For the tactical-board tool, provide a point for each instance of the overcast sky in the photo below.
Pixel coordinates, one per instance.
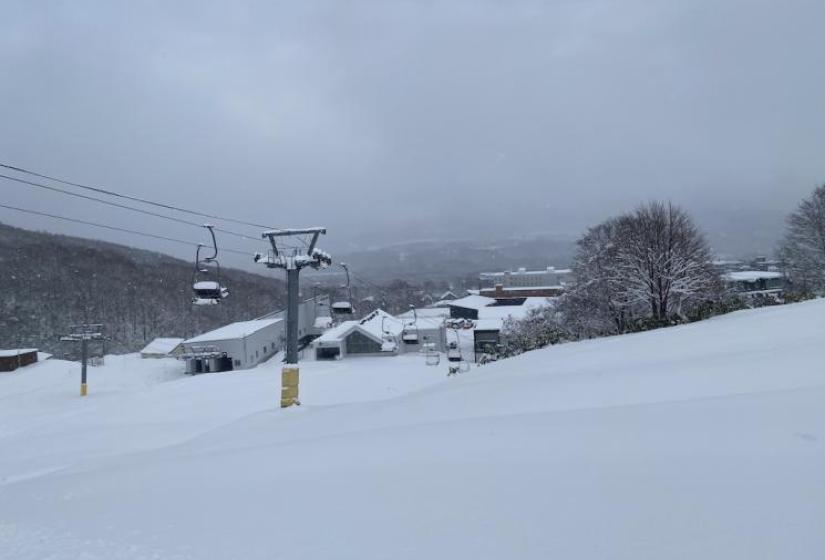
(402, 120)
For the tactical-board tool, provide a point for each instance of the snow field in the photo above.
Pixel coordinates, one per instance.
(702, 441)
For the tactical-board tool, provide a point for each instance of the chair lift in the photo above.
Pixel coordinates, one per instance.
(344, 307)
(206, 284)
(431, 355)
(409, 333)
(457, 364)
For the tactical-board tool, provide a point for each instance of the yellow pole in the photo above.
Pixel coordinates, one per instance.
(289, 386)
(82, 389)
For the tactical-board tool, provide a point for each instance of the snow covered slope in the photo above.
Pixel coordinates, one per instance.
(702, 441)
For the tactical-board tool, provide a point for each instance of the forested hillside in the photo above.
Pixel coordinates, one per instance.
(49, 282)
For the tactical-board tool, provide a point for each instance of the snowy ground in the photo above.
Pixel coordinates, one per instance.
(703, 441)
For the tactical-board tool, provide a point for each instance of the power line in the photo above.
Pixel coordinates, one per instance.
(114, 228)
(133, 198)
(125, 207)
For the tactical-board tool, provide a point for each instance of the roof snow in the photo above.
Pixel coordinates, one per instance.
(525, 272)
(373, 325)
(161, 346)
(472, 302)
(15, 352)
(503, 312)
(426, 312)
(241, 329)
(752, 276)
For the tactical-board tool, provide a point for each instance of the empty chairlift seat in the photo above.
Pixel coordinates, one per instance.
(208, 292)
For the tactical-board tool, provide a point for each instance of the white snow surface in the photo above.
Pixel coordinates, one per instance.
(701, 441)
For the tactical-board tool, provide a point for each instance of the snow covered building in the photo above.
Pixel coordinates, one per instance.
(245, 344)
(756, 282)
(240, 345)
(313, 317)
(381, 334)
(162, 348)
(10, 360)
(468, 306)
(549, 282)
(377, 334)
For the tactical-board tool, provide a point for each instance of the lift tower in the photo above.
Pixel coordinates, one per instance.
(83, 334)
(293, 259)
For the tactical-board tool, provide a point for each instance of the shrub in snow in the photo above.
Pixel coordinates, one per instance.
(539, 329)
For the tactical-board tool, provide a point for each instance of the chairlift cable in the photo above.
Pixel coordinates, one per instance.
(123, 206)
(113, 228)
(133, 198)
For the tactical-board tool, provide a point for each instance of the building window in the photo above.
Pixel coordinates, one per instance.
(357, 343)
(237, 363)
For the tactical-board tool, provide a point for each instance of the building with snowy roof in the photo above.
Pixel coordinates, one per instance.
(377, 334)
(523, 278)
(755, 282)
(162, 348)
(10, 360)
(468, 306)
(245, 344)
(547, 282)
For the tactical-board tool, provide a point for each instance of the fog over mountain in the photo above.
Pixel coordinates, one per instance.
(400, 121)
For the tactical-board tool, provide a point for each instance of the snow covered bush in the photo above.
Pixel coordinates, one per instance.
(539, 329)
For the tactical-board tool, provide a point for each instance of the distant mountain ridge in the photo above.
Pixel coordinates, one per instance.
(49, 282)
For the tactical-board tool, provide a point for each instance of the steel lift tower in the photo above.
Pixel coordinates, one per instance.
(293, 259)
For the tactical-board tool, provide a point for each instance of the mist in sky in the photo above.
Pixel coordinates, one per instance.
(391, 121)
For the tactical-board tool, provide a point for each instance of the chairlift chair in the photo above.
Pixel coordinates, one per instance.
(342, 308)
(206, 285)
(453, 352)
(409, 333)
(431, 355)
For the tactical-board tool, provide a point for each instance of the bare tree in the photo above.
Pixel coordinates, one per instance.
(650, 264)
(803, 247)
(597, 304)
(664, 261)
